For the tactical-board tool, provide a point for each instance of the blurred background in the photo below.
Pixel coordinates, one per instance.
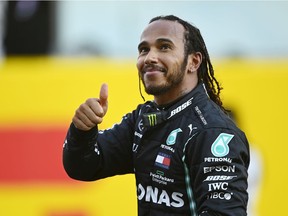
(55, 54)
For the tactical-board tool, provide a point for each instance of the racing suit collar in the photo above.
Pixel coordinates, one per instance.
(199, 88)
(155, 115)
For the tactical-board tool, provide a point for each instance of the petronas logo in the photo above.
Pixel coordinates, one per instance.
(171, 139)
(152, 119)
(220, 146)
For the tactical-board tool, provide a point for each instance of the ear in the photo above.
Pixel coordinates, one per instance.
(194, 61)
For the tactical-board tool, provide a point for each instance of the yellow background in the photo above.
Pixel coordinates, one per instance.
(44, 92)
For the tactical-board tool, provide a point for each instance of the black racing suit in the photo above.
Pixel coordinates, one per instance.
(188, 158)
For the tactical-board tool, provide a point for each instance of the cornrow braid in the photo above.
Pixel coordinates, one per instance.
(194, 42)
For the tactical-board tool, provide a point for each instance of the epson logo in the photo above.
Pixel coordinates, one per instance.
(161, 197)
(181, 107)
(223, 168)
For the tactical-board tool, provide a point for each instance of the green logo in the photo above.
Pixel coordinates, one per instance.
(152, 119)
(159, 172)
(220, 146)
(171, 139)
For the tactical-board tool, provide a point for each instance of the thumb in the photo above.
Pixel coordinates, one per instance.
(104, 97)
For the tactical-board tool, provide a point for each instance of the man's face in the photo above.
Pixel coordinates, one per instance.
(161, 62)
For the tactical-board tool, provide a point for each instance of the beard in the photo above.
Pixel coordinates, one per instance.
(173, 79)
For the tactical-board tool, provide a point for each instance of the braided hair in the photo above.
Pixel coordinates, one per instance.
(195, 43)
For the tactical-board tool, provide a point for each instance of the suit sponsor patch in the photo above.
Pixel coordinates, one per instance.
(163, 160)
(220, 146)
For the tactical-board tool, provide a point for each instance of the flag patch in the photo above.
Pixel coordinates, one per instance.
(163, 160)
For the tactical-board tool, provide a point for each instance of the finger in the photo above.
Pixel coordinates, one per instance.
(79, 124)
(87, 120)
(84, 124)
(90, 112)
(104, 97)
(94, 108)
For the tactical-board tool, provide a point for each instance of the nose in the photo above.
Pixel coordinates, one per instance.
(151, 57)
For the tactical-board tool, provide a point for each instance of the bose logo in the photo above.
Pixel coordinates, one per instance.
(181, 107)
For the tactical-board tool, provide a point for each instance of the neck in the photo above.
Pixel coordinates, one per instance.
(164, 99)
(174, 94)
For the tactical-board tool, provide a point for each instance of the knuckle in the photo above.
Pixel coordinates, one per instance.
(82, 107)
(90, 101)
(99, 120)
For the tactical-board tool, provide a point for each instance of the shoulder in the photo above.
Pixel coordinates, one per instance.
(213, 119)
(212, 116)
(219, 142)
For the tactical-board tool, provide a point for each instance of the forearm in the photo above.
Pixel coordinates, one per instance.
(79, 157)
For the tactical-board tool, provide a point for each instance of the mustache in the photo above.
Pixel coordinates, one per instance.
(151, 67)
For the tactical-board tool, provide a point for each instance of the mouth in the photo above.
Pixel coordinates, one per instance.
(153, 69)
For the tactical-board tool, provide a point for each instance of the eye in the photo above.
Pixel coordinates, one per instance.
(165, 47)
(143, 49)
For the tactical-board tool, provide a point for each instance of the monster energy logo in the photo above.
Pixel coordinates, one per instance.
(152, 119)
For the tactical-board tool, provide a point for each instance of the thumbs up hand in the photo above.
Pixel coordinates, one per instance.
(91, 113)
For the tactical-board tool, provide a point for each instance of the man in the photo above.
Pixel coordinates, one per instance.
(188, 157)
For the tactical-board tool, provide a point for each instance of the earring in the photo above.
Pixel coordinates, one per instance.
(191, 69)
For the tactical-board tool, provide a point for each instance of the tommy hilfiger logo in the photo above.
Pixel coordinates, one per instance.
(163, 160)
